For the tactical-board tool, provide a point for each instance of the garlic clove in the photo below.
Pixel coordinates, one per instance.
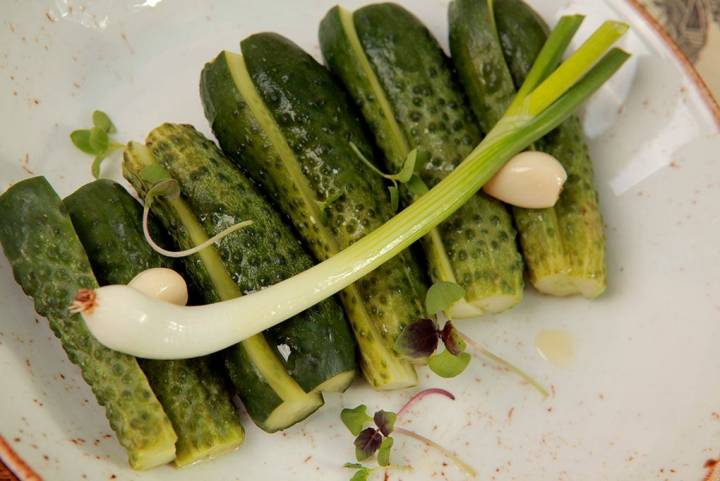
(531, 179)
(162, 283)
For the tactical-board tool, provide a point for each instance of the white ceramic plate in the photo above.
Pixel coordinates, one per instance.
(640, 399)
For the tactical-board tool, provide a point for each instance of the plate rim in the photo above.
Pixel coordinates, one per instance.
(24, 472)
(698, 82)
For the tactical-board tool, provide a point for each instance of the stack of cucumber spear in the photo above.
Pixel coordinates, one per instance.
(283, 120)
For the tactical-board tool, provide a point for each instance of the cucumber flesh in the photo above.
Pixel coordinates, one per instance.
(256, 141)
(398, 76)
(317, 344)
(563, 246)
(256, 369)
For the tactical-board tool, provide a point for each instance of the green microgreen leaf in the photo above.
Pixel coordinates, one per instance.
(452, 339)
(353, 466)
(355, 419)
(99, 140)
(394, 197)
(404, 176)
(367, 442)
(441, 296)
(361, 475)
(384, 451)
(385, 421)
(408, 167)
(95, 168)
(102, 121)
(416, 186)
(417, 340)
(81, 140)
(421, 159)
(445, 364)
(96, 141)
(154, 173)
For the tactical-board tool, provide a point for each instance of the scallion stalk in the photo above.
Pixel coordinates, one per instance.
(126, 320)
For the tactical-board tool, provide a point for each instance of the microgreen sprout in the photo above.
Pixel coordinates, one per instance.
(362, 473)
(420, 339)
(370, 440)
(96, 140)
(408, 174)
(162, 185)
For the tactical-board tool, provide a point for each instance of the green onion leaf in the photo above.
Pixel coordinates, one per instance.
(441, 296)
(355, 419)
(447, 365)
(102, 121)
(385, 421)
(384, 451)
(81, 140)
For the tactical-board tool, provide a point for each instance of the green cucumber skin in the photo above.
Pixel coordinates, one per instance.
(522, 33)
(431, 109)
(479, 60)
(108, 221)
(318, 126)
(320, 341)
(257, 396)
(50, 265)
(337, 52)
(566, 241)
(490, 87)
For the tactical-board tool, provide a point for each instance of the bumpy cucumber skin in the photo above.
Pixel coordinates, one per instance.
(196, 398)
(319, 339)
(321, 139)
(522, 33)
(108, 221)
(50, 265)
(563, 246)
(432, 112)
(479, 59)
(318, 123)
(485, 75)
(258, 397)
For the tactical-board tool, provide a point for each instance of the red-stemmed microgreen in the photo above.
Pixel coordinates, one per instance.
(420, 339)
(96, 140)
(370, 440)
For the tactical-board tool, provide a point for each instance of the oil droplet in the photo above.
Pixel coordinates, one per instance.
(556, 346)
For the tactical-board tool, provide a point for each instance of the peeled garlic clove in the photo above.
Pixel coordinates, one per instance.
(531, 179)
(162, 283)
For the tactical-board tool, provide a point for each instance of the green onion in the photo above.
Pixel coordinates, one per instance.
(153, 329)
